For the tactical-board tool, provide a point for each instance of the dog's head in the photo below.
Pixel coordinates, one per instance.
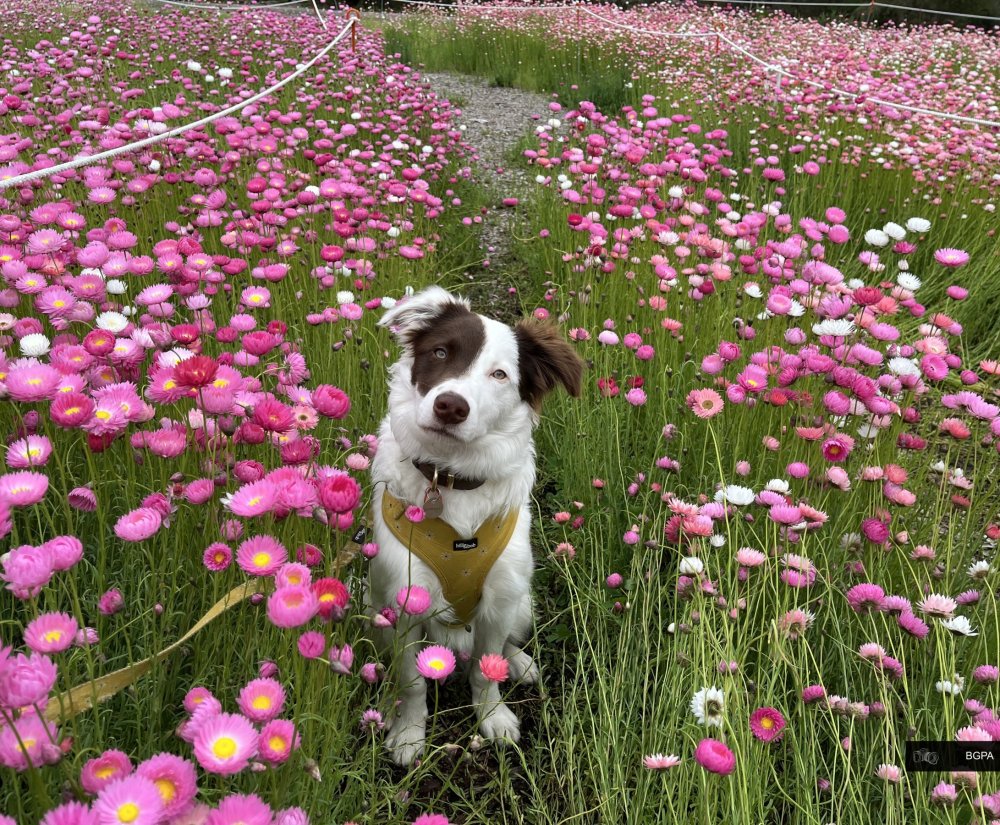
(464, 377)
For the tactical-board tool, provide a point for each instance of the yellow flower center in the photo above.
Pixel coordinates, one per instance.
(18, 490)
(34, 381)
(29, 743)
(169, 384)
(277, 743)
(72, 410)
(436, 664)
(58, 304)
(767, 723)
(53, 636)
(261, 559)
(129, 812)
(294, 578)
(254, 501)
(167, 789)
(221, 383)
(255, 299)
(104, 415)
(33, 451)
(326, 598)
(261, 702)
(224, 747)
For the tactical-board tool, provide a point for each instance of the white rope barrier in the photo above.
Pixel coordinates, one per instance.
(768, 67)
(86, 160)
(319, 16)
(230, 6)
(879, 5)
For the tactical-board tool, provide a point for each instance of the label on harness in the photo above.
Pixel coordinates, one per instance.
(465, 544)
(360, 535)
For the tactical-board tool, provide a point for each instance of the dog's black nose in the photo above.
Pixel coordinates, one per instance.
(451, 408)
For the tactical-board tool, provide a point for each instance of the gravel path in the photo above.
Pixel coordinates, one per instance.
(495, 119)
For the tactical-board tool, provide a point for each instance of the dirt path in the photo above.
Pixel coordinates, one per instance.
(495, 120)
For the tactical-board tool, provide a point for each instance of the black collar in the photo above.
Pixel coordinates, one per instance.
(446, 478)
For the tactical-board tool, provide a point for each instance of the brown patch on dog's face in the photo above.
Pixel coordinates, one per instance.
(446, 347)
(545, 359)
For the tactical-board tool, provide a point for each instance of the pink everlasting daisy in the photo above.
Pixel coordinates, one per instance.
(217, 556)
(704, 403)
(241, 809)
(435, 662)
(292, 606)
(175, 778)
(951, 257)
(138, 525)
(767, 724)
(23, 489)
(133, 800)
(715, 757)
(659, 762)
(98, 773)
(261, 555)
(494, 667)
(225, 743)
(50, 633)
(414, 599)
(262, 700)
(253, 499)
(278, 739)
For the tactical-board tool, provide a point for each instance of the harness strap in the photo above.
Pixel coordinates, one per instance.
(461, 572)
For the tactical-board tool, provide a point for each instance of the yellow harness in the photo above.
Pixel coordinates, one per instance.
(461, 565)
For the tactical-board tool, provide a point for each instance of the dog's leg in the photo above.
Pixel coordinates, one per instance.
(522, 666)
(494, 631)
(496, 720)
(408, 728)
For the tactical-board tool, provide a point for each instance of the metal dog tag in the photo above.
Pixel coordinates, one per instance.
(433, 503)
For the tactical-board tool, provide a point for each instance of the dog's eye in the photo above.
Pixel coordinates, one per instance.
(500, 375)
(440, 352)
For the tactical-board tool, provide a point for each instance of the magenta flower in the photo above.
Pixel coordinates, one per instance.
(23, 489)
(414, 600)
(109, 767)
(715, 757)
(952, 258)
(767, 724)
(435, 662)
(138, 525)
(225, 743)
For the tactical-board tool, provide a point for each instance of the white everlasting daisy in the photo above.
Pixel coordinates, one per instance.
(194, 66)
(902, 265)
(716, 540)
(34, 345)
(675, 192)
(388, 303)
(115, 287)
(838, 327)
(753, 290)
(111, 321)
(894, 231)
(918, 224)
(777, 485)
(345, 297)
(909, 281)
(735, 494)
(959, 625)
(226, 74)
(691, 566)
(979, 570)
(707, 706)
(876, 237)
(903, 366)
(952, 687)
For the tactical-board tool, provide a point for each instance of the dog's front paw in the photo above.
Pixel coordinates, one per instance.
(523, 668)
(501, 723)
(405, 740)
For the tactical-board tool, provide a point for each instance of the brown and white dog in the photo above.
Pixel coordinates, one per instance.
(463, 401)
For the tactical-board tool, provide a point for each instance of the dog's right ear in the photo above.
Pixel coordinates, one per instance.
(415, 313)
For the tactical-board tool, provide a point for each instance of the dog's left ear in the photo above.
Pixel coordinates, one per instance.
(545, 360)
